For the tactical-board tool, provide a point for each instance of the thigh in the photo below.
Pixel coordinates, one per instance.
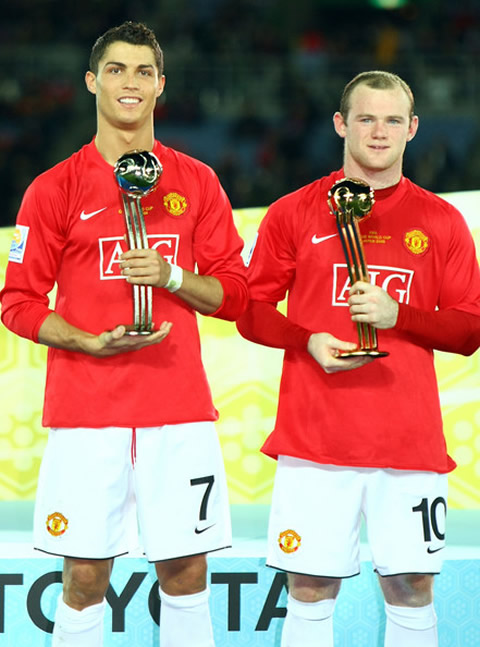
(181, 490)
(405, 513)
(84, 506)
(314, 526)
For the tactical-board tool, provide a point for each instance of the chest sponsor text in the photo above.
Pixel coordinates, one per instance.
(112, 248)
(396, 281)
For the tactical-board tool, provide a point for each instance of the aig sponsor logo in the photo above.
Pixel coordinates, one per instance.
(112, 248)
(394, 280)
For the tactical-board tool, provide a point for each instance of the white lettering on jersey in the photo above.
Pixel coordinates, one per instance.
(394, 280)
(111, 249)
(113, 260)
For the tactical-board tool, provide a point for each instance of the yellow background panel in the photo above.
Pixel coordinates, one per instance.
(244, 378)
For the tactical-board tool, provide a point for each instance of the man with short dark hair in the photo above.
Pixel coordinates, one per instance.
(132, 433)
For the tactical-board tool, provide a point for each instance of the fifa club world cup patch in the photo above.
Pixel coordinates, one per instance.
(416, 242)
(175, 203)
(289, 541)
(19, 244)
(57, 524)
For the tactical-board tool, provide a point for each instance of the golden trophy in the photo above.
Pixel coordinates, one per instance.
(350, 200)
(137, 173)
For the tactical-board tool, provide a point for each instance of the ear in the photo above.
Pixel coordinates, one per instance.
(339, 124)
(91, 82)
(412, 129)
(161, 85)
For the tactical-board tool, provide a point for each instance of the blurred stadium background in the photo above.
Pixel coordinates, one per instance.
(251, 85)
(251, 89)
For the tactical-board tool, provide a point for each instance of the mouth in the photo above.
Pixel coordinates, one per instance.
(129, 101)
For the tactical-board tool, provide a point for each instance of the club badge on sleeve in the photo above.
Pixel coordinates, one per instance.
(19, 244)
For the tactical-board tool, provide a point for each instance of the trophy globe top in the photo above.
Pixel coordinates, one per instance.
(138, 172)
(353, 196)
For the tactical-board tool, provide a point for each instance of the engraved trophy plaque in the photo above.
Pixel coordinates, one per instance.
(350, 200)
(137, 173)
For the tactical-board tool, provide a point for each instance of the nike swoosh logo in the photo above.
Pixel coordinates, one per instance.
(316, 240)
(198, 531)
(86, 216)
(434, 550)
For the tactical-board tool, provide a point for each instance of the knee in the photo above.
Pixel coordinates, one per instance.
(306, 588)
(410, 590)
(85, 582)
(183, 576)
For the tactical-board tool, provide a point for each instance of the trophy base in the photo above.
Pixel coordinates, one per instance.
(131, 331)
(363, 352)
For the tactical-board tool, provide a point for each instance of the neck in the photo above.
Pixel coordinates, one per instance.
(376, 179)
(113, 143)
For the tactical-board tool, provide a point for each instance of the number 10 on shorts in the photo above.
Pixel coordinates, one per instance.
(430, 519)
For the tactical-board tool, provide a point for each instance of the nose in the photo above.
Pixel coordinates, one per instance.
(379, 129)
(131, 79)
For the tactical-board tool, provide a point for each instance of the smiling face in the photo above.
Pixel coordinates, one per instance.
(126, 86)
(376, 130)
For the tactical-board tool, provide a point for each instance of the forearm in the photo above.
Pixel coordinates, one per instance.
(202, 293)
(55, 332)
(225, 296)
(263, 324)
(453, 331)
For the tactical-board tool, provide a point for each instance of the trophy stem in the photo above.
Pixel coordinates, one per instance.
(350, 200)
(137, 239)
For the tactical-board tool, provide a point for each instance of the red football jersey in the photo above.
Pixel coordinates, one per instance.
(71, 230)
(387, 413)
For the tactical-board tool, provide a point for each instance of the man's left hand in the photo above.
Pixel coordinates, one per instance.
(145, 267)
(371, 304)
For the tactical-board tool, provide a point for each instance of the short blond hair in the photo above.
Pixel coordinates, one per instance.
(379, 80)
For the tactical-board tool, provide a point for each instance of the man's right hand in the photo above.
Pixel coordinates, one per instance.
(326, 349)
(58, 333)
(113, 342)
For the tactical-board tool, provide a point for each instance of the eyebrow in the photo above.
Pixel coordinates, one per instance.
(141, 66)
(367, 114)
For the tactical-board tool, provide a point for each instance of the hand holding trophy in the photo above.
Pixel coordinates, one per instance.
(137, 173)
(350, 200)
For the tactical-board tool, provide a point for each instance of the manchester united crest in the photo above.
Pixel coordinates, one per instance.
(175, 203)
(416, 242)
(57, 524)
(289, 541)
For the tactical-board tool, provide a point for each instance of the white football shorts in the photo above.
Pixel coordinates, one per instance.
(98, 486)
(316, 515)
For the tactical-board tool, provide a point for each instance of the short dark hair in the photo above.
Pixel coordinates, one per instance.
(135, 33)
(379, 80)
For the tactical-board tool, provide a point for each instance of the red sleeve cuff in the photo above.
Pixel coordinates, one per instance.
(26, 319)
(453, 331)
(235, 298)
